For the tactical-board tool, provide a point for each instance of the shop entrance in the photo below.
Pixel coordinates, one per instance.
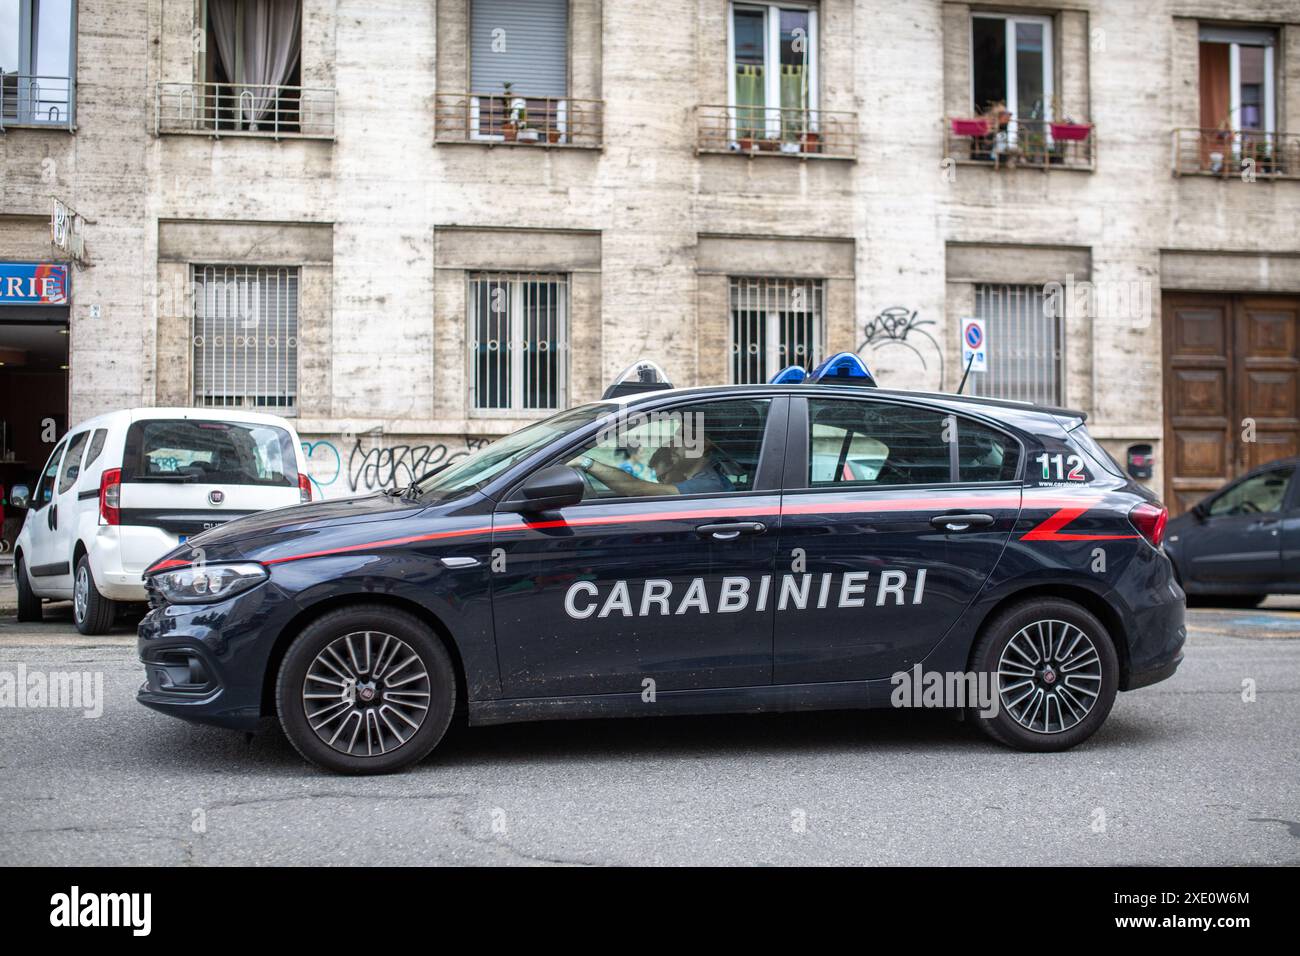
(33, 381)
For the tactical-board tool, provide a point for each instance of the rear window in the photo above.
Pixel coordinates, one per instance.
(1082, 440)
(209, 452)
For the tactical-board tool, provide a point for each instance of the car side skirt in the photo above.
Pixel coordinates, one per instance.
(767, 698)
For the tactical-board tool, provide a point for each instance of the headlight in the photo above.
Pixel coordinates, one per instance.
(204, 584)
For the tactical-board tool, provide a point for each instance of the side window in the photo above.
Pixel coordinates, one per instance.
(1259, 495)
(45, 490)
(870, 444)
(709, 448)
(72, 462)
(96, 446)
(985, 454)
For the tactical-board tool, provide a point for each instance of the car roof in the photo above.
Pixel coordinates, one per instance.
(127, 416)
(975, 403)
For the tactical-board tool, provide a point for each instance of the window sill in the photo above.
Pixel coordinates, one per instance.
(246, 134)
(1234, 175)
(56, 127)
(1031, 167)
(493, 143)
(773, 154)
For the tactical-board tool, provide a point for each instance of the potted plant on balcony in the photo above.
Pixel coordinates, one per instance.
(510, 127)
(526, 133)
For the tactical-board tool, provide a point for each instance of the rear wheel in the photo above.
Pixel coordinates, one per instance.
(91, 611)
(29, 604)
(366, 689)
(1054, 673)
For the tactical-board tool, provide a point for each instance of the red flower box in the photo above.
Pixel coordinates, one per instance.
(970, 127)
(1070, 132)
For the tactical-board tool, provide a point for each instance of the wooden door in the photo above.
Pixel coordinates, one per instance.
(1232, 388)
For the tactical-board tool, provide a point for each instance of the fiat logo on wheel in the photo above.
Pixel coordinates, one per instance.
(216, 496)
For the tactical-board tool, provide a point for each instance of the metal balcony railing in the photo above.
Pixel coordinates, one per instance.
(1236, 152)
(244, 109)
(27, 99)
(777, 131)
(1039, 144)
(513, 120)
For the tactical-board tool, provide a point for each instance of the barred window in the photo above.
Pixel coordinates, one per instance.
(517, 340)
(246, 338)
(1026, 344)
(774, 323)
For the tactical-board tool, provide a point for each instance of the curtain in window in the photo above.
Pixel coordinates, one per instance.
(749, 102)
(794, 100)
(271, 45)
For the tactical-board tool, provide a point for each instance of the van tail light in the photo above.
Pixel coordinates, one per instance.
(1150, 519)
(304, 488)
(110, 496)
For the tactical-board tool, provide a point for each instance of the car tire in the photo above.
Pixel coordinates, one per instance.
(1068, 712)
(356, 734)
(29, 603)
(91, 611)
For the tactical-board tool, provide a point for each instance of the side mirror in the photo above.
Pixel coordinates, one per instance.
(555, 486)
(1200, 512)
(20, 496)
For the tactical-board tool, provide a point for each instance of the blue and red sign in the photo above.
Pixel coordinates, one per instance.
(33, 283)
(974, 335)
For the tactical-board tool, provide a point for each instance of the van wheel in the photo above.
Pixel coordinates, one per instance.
(366, 689)
(29, 604)
(1054, 673)
(91, 611)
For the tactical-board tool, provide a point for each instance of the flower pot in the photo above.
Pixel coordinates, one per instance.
(509, 131)
(979, 126)
(769, 145)
(1070, 132)
(746, 145)
(812, 142)
(552, 135)
(529, 135)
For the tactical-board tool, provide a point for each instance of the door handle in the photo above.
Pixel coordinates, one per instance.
(730, 530)
(961, 522)
(52, 519)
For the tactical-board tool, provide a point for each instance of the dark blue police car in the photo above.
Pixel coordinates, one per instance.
(729, 549)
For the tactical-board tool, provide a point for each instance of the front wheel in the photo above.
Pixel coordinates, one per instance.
(366, 689)
(91, 611)
(1053, 671)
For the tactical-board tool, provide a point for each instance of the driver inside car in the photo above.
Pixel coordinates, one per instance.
(678, 470)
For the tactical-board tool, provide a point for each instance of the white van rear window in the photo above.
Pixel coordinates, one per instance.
(209, 452)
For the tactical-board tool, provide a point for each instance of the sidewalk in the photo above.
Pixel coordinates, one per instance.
(8, 590)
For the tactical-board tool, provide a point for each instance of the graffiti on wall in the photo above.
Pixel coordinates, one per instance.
(367, 463)
(898, 348)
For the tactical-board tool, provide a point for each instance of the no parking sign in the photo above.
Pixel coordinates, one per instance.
(974, 345)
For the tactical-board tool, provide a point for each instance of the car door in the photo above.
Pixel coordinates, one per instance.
(1238, 535)
(663, 582)
(65, 509)
(883, 545)
(44, 564)
(1290, 536)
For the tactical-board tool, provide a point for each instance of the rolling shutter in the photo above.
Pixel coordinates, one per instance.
(531, 42)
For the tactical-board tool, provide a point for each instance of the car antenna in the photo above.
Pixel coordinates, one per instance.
(969, 362)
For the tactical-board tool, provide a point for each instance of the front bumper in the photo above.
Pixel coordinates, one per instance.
(207, 663)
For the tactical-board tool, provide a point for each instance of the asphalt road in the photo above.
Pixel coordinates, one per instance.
(1185, 772)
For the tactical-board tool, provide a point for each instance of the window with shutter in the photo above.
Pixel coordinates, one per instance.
(519, 69)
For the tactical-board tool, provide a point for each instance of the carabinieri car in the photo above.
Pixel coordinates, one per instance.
(684, 551)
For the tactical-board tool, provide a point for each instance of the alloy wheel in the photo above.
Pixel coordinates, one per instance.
(366, 693)
(1049, 676)
(81, 593)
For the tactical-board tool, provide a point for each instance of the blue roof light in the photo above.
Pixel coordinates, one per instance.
(843, 368)
(790, 375)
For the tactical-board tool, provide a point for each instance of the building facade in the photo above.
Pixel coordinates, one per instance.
(414, 226)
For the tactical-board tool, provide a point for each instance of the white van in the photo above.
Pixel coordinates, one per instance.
(123, 489)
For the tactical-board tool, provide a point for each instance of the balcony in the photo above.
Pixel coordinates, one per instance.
(1236, 153)
(1034, 144)
(36, 101)
(503, 119)
(757, 131)
(244, 109)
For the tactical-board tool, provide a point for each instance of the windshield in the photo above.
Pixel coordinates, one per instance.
(474, 471)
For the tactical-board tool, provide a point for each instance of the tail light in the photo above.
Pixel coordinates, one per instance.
(1149, 519)
(304, 488)
(110, 496)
